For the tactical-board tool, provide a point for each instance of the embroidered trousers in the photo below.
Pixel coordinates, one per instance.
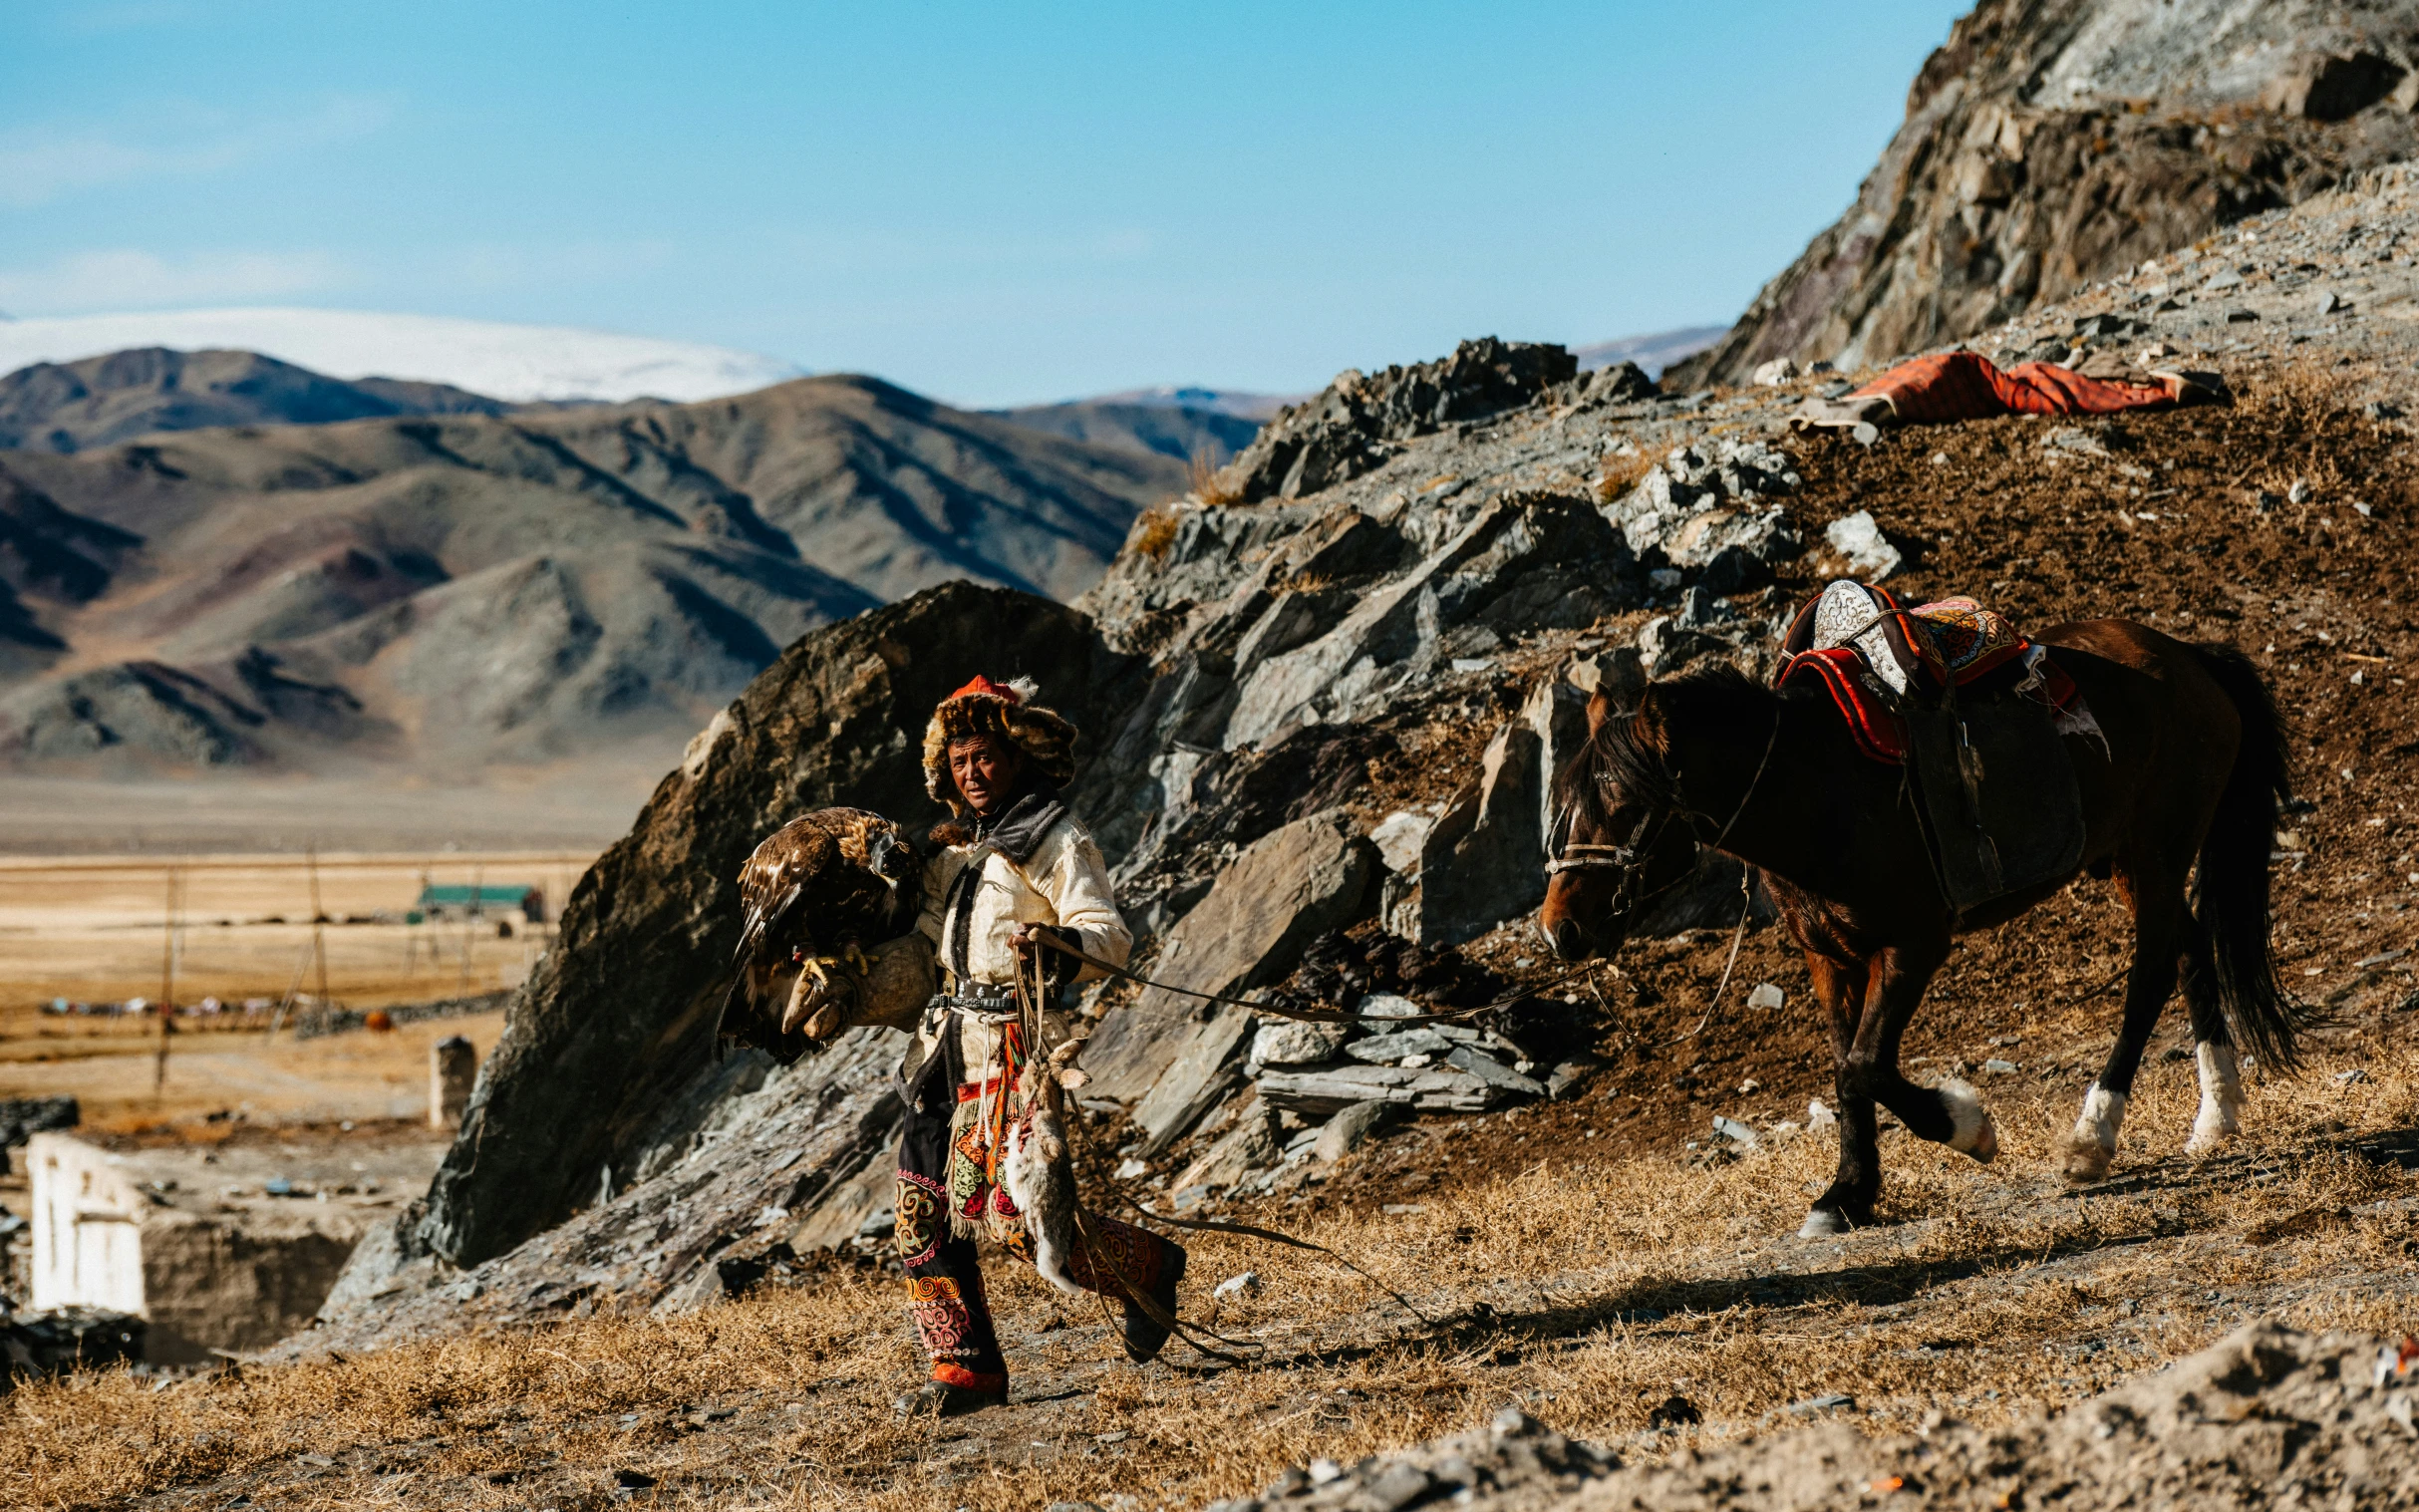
(944, 1279)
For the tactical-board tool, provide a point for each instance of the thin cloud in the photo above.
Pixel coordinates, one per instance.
(41, 164)
(127, 279)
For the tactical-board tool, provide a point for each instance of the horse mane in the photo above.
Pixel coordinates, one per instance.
(1631, 751)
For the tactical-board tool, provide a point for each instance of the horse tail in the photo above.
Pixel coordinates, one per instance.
(2230, 901)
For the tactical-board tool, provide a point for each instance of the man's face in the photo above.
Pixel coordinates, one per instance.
(985, 770)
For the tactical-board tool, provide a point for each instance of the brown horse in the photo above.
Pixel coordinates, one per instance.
(2193, 767)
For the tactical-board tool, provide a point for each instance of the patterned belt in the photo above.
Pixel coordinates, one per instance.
(989, 1010)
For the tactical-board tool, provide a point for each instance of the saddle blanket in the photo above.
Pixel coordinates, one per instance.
(1964, 641)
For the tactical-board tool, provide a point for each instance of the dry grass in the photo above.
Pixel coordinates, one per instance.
(1154, 531)
(1591, 1287)
(1203, 475)
(1622, 471)
(94, 930)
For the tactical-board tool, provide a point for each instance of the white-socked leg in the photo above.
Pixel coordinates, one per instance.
(2095, 1140)
(2221, 1099)
(1973, 1132)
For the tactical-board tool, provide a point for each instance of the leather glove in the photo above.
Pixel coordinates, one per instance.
(824, 1000)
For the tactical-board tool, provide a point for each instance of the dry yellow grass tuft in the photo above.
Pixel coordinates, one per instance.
(1622, 471)
(1202, 479)
(1154, 531)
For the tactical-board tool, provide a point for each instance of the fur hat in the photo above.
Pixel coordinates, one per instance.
(1007, 710)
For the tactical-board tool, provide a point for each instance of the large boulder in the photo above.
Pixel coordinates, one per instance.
(1343, 430)
(1526, 561)
(778, 1144)
(1180, 1055)
(1484, 862)
(608, 1052)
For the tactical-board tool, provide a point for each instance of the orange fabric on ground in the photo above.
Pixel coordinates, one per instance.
(1969, 386)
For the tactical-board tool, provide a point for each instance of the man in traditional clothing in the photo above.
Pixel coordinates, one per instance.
(1017, 867)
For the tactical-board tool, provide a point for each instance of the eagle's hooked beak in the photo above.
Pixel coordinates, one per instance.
(890, 860)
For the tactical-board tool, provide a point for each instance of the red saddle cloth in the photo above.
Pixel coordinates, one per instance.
(1957, 639)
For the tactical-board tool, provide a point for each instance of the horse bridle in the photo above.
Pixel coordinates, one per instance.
(1563, 854)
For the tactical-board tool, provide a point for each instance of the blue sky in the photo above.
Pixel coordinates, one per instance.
(990, 203)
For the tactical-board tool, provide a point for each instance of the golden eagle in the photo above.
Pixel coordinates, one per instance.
(823, 888)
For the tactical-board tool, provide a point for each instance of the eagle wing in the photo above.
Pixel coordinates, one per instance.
(826, 880)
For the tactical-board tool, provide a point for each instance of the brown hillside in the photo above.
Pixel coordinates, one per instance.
(466, 588)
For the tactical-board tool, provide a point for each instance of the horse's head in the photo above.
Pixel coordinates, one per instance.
(1616, 842)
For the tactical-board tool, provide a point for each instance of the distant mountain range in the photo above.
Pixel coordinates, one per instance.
(441, 586)
(517, 363)
(74, 406)
(225, 558)
(1653, 352)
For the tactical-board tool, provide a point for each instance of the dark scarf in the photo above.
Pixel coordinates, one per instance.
(1016, 832)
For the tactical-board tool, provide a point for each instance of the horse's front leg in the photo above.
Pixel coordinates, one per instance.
(1868, 1072)
(1840, 987)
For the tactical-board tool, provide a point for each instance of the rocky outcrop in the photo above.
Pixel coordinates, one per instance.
(1356, 423)
(608, 1050)
(1245, 671)
(1176, 1056)
(2267, 1417)
(709, 1210)
(2050, 143)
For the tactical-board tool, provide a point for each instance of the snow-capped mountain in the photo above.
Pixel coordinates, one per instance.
(504, 361)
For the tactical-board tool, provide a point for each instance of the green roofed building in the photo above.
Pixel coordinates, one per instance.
(475, 900)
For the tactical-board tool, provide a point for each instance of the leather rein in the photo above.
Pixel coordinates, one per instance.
(1625, 858)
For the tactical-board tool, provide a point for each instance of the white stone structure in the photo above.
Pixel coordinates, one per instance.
(223, 1249)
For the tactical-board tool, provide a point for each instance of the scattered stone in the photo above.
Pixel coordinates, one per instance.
(1766, 996)
(1483, 861)
(1386, 1049)
(1829, 1402)
(1251, 1145)
(1345, 1132)
(1736, 1132)
(1398, 838)
(1289, 888)
(1778, 371)
(1870, 554)
(1515, 1461)
(1246, 1283)
(62, 1340)
(1564, 1081)
(1290, 1041)
(1494, 1073)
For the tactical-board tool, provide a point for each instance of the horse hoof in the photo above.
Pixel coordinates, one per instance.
(1822, 1223)
(2086, 1162)
(1971, 1129)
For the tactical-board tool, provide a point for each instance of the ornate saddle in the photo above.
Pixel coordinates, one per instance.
(1973, 710)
